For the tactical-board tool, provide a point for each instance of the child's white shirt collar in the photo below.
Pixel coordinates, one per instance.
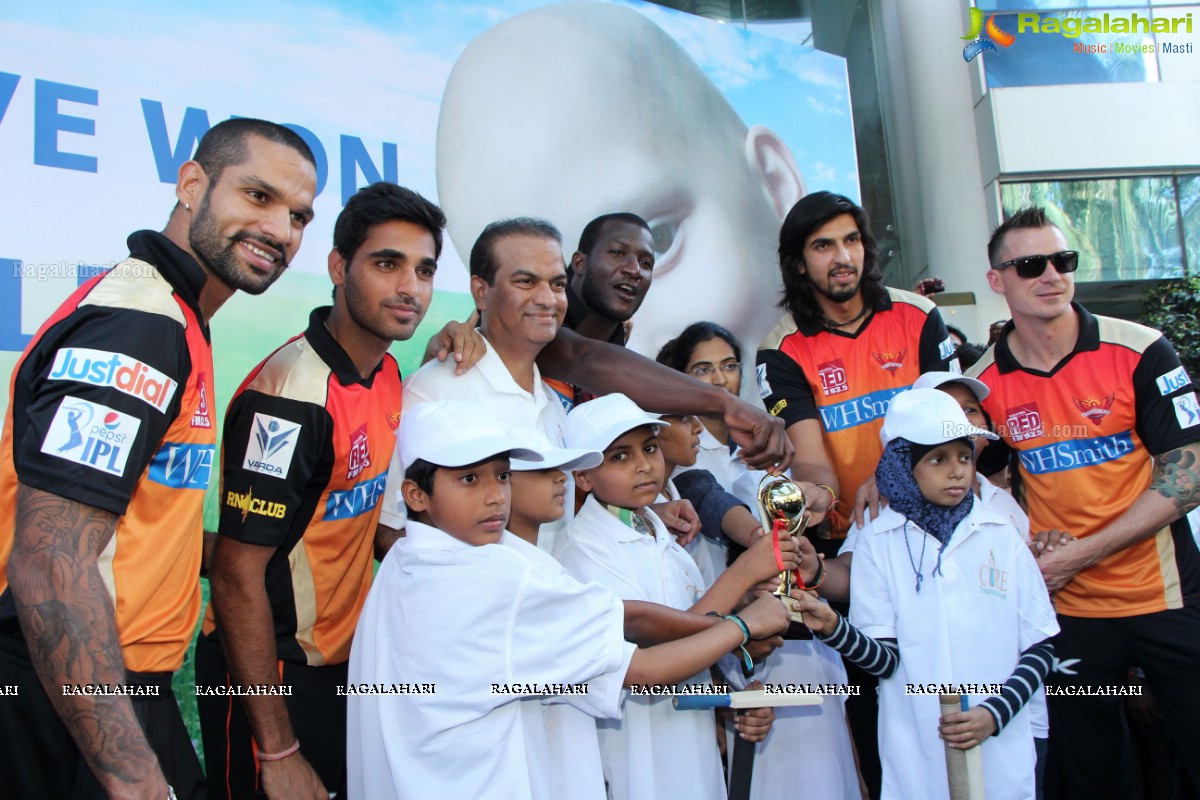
(890, 520)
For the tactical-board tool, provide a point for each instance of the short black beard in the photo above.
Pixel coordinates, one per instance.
(217, 253)
(841, 295)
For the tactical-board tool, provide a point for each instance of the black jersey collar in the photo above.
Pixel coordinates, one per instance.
(332, 353)
(813, 327)
(1089, 339)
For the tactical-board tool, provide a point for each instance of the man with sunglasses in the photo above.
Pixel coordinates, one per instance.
(1106, 428)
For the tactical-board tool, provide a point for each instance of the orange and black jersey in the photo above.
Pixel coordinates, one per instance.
(1084, 434)
(304, 459)
(111, 407)
(847, 380)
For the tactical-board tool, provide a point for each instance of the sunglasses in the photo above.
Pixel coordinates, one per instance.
(1030, 267)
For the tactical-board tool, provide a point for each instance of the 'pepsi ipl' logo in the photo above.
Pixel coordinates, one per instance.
(984, 37)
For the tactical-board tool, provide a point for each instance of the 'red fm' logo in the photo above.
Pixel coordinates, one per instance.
(201, 418)
(1024, 422)
(359, 457)
(833, 377)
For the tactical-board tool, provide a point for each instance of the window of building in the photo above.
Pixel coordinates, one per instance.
(1129, 228)
(1085, 48)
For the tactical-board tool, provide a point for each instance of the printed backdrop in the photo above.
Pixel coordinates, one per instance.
(100, 103)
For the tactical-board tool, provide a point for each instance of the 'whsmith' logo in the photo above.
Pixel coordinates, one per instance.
(358, 499)
(249, 504)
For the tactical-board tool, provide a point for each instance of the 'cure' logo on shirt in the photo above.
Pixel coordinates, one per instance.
(1024, 422)
(359, 457)
(91, 434)
(992, 579)
(272, 442)
(1095, 408)
(833, 377)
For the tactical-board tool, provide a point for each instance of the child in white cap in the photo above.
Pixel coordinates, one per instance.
(944, 593)
(466, 623)
(615, 540)
(540, 488)
(970, 393)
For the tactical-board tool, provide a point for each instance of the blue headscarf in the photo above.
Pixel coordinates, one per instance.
(895, 479)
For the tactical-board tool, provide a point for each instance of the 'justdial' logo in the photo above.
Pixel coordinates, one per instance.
(984, 37)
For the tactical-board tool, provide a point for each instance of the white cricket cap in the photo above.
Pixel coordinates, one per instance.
(927, 416)
(552, 457)
(455, 433)
(932, 380)
(598, 423)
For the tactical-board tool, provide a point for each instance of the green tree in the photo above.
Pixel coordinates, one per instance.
(1173, 307)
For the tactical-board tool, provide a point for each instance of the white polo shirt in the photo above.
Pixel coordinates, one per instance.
(489, 382)
(463, 618)
(968, 625)
(998, 501)
(654, 752)
(822, 728)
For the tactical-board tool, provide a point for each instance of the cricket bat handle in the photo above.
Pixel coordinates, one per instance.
(741, 768)
(964, 768)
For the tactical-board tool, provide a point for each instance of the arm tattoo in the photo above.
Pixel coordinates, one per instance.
(69, 623)
(1177, 477)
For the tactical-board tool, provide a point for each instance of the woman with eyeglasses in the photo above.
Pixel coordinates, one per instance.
(710, 353)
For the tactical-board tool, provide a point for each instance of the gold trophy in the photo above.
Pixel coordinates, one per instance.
(780, 499)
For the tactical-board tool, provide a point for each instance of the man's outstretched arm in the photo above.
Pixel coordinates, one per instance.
(602, 368)
(70, 626)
